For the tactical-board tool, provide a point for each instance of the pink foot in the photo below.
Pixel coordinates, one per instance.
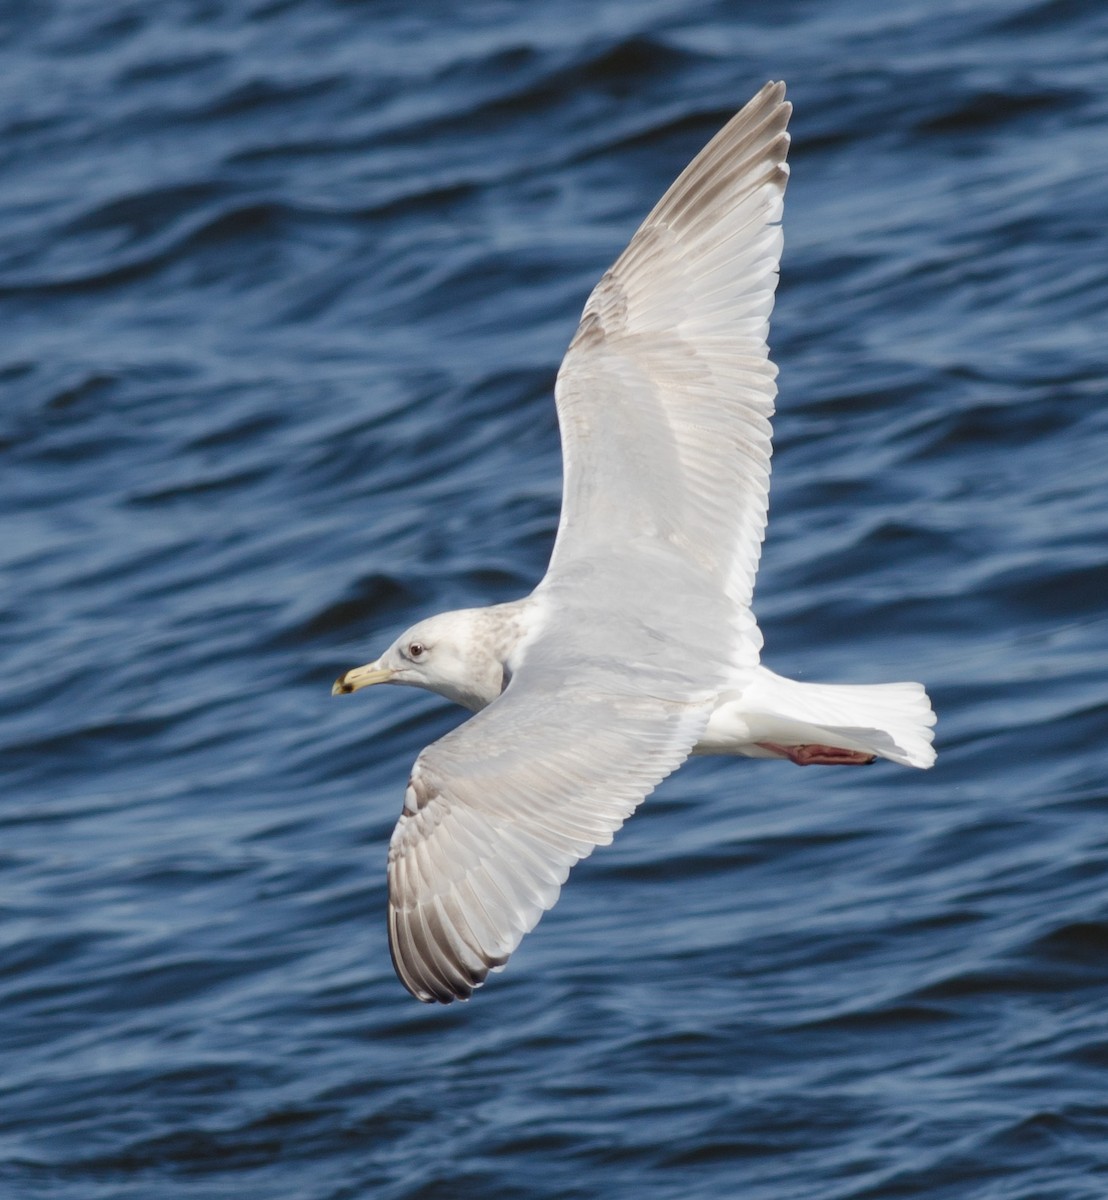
(830, 756)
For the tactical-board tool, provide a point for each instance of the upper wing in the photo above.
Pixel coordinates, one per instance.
(498, 811)
(665, 395)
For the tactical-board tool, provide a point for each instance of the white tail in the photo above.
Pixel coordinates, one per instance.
(891, 720)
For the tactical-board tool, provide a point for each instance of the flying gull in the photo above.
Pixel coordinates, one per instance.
(638, 647)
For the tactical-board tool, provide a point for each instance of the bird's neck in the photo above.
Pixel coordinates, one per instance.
(499, 632)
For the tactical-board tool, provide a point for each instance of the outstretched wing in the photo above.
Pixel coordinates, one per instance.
(498, 811)
(664, 401)
(666, 393)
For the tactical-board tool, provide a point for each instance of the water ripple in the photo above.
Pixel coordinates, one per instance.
(285, 287)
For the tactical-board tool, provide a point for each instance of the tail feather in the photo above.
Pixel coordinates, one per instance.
(892, 720)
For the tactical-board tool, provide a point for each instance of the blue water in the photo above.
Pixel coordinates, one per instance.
(283, 289)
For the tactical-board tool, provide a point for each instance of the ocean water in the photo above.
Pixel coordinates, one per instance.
(283, 290)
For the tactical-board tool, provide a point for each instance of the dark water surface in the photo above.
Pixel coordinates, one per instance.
(283, 288)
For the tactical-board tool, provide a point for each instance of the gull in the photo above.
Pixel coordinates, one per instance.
(639, 646)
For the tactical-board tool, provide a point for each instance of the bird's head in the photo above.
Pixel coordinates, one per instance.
(447, 654)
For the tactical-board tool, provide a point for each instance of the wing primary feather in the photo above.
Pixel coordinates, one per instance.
(454, 917)
(404, 958)
(437, 974)
(494, 947)
(443, 951)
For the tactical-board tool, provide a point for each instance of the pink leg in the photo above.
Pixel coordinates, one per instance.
(830, 756)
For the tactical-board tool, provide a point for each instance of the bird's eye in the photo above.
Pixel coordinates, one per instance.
(416, 649)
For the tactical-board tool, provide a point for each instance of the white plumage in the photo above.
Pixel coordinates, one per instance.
(638, 647)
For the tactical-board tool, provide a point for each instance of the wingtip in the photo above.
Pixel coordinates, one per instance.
(422, 966)
(774, 94)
